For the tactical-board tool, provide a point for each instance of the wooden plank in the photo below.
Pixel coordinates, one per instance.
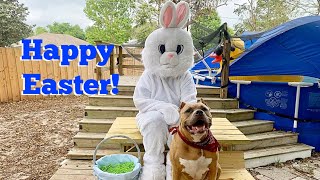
(237, 159)
(225, 64)
(44, 72)
(133, 66)
(111, 60)
(16, 96)
(20, 71)
(120, 65)
(6, 70)
(4, 97)
(36, 70)
(98, 70)
(27, 69)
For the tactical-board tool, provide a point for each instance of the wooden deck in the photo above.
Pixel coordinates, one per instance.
(232, 164)
(223, 130)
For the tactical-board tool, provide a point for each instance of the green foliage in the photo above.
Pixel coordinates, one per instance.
(12, 22)
(67, 28)
(207, 22)
(112, 20)
(142, 32)
(260, 15)
(40, 30)
(146, 20)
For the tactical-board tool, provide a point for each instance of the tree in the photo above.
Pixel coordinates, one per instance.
(309, 7)
(67, 28)
(12, 22)
(112, 20)
(40, 30)
(146, 19)
(260, 15)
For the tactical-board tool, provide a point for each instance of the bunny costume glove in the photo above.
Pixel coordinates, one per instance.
(165, 83)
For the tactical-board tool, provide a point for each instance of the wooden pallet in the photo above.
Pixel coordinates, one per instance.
(232, 164)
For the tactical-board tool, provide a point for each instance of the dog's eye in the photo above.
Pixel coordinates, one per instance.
(162, 48)
(204, 109)
(188, 110)
(179, 49)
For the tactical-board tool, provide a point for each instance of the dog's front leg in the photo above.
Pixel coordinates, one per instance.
(214, 171)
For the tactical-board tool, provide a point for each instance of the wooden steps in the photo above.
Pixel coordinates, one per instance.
(127, 101)
(265, 156)
(203, 91)
(254, 126)
(95, 125)
(100, 112)
(267, 139)
(91, 140)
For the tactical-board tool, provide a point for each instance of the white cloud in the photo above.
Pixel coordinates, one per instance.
(227, 15)
(45, 12)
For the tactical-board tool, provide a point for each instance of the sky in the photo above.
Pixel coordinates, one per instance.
(45, 12)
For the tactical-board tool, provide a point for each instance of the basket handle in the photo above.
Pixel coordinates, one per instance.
(116, 136)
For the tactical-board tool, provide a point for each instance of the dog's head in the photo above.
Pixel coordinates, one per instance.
(195, 120)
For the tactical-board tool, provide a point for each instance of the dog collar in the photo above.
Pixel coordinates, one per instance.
(209, 143)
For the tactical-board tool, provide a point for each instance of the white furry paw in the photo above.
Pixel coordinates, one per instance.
(153, 173)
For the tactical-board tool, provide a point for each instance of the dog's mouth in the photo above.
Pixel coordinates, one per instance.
(198, 127)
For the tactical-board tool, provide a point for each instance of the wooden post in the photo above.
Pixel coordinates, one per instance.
(120, 67)
(112, 59)
(225, 64)
(98, 70)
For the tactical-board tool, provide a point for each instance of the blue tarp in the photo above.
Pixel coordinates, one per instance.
(292, 48)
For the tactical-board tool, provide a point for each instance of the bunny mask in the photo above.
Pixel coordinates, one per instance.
(168, 51)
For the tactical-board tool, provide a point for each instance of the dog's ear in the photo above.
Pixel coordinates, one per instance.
(182, 105)
(203, 102)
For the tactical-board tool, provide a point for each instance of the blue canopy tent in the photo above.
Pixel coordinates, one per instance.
(292, 48)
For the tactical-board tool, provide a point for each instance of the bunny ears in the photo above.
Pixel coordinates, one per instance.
(174, 16)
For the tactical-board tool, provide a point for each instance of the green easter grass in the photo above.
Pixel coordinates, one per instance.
(118, 168)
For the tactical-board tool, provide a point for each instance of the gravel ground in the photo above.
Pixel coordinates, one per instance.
(302, 169)
(35, 135)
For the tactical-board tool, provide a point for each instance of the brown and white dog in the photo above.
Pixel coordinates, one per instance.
(194, 152)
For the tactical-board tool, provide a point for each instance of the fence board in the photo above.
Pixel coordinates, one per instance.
(3, 83)
(43, 72)
(28, 70)
(6, 70)
(13, 74)
(20, 70)
(36, 70)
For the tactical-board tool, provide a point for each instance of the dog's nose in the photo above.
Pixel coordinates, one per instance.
(199, 112)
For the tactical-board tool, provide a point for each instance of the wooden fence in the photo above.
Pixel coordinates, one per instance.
(12, 68)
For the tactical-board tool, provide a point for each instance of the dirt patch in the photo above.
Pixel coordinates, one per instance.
(299, 169)
(36, 135)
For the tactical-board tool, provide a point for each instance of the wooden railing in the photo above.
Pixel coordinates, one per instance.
(119, 61)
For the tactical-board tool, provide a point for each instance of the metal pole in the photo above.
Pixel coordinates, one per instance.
(296, 109)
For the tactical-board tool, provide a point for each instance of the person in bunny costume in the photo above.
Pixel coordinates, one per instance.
(164, 84)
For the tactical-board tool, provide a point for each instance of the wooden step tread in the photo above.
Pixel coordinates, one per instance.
(269, 135)
(270, 151)
(96, 121)
(102, 108)
(131, 97)
(253, 122)
(89, 135)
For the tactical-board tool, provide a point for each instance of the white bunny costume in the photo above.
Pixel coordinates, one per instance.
(165, 83)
